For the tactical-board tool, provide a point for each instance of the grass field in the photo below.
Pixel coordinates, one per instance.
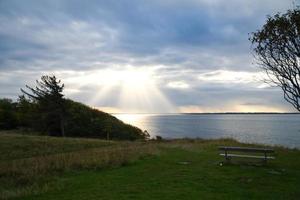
(178, 169)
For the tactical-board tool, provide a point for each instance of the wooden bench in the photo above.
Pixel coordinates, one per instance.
(256, 153)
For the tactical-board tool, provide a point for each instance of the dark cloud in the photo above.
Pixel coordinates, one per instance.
(180, 39)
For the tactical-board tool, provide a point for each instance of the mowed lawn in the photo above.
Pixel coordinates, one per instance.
(182, 169)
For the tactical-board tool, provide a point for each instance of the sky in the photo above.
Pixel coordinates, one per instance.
(137, 56)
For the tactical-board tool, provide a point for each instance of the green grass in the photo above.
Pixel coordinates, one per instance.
(17, 146)
(179, 169)
(31, 164)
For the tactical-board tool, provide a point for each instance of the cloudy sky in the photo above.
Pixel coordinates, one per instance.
(153, 56)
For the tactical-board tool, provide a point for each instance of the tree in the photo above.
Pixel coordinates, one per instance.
(8, 119)
(108, 128)
(84, 121)
(27, 112)
(146, 134)
(277, 50)
(51, 104)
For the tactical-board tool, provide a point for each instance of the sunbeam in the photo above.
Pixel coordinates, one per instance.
(130, 90)
(139, 93)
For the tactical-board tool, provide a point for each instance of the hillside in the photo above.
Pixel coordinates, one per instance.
(79, 120)
(83, 121)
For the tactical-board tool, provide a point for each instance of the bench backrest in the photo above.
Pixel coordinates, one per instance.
(246, 149)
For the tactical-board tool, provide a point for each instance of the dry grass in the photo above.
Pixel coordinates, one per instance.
(198, 145)
(88, 159)
(18, 146)
(34, 164)
(31, 175)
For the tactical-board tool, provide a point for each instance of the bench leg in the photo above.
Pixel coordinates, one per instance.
(227, 158)
(265, 160)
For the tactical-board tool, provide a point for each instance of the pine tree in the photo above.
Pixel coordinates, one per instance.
(51, 103)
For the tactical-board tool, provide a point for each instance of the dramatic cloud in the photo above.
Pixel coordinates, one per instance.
(140, 56)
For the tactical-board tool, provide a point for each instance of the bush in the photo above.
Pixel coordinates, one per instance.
(159, 138)
(8, 117)
(83, 121)
(80, 121)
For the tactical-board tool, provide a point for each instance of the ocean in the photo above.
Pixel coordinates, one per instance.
(271, 129)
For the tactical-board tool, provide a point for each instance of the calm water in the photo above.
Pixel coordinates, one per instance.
(274, 129)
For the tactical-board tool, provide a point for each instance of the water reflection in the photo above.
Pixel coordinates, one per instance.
(254, 128)
(133, 119)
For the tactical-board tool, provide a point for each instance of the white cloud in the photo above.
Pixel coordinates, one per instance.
(195, 48)
(232, 77)
(178, 85)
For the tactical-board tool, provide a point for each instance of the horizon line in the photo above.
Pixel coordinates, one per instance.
(198, 113)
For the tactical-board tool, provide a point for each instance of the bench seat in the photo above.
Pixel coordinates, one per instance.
(247, 152)
(247, 156)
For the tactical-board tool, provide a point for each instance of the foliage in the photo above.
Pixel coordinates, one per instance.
(28, 114)
(159, 138)
(50, 103)
(8, 118)
(277, 49)
(80, 120)
(83, 121)
(44, 109)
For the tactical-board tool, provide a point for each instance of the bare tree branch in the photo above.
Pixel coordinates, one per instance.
(277, 50)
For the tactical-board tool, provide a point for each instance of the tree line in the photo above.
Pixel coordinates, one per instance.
(44, 109)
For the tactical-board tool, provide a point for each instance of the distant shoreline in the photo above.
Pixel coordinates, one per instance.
(213, 113)
(245, 113)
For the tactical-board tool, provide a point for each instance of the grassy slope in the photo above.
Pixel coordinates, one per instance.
(16, 146)
(31, 164)
(163, 176)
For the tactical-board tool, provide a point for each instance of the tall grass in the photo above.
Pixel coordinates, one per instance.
(17, 146)
(30, 175)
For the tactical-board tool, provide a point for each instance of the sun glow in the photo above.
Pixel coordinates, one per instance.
(130, 90)
(129, 76)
